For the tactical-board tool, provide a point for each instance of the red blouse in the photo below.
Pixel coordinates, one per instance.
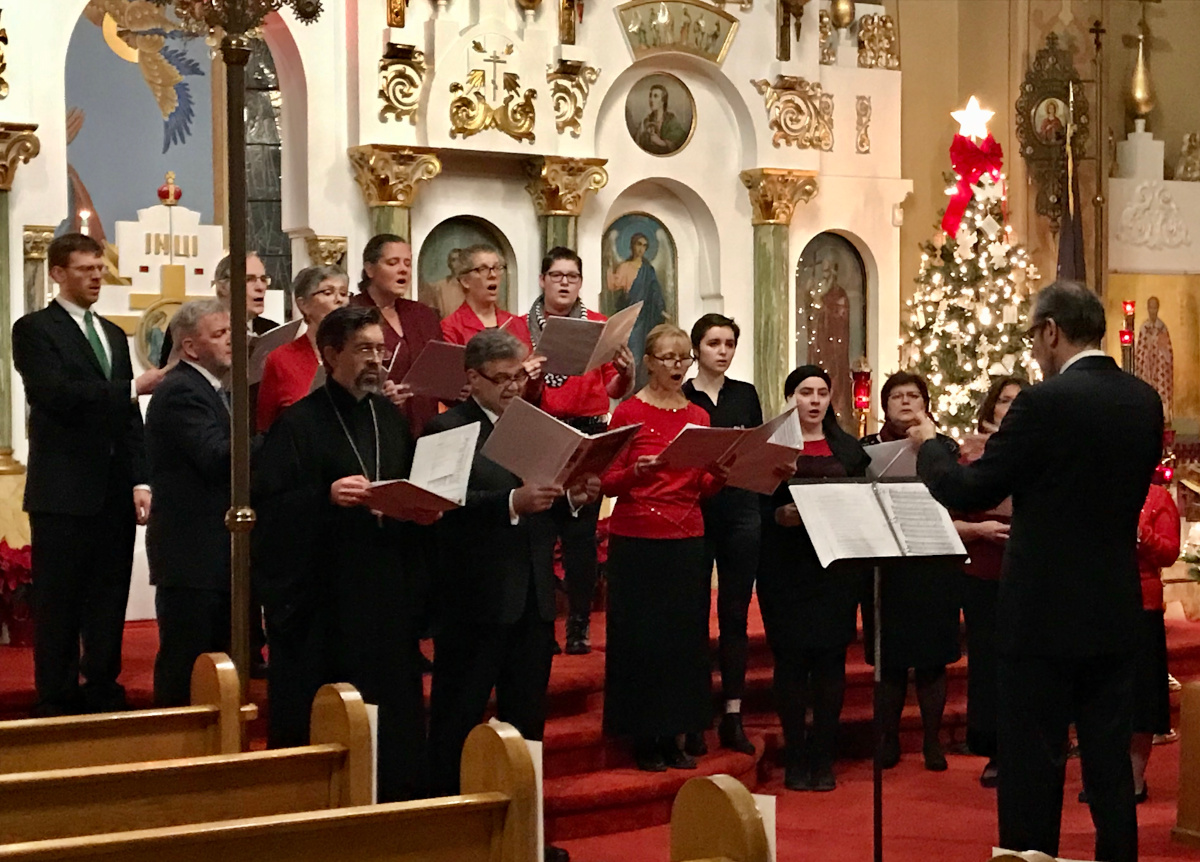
(1158, 544)
(463, 323)
(581, 395)
(661, 504)
(287, 377)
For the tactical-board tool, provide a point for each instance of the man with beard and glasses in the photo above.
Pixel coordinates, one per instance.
(344, 587)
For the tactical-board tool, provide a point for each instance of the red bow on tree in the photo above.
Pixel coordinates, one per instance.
(970, 161)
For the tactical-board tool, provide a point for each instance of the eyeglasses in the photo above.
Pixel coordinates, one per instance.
(504, 381)
(1035, 329)
(264, 280)
(329, 291)
(568, 277)
(498, 269)
(681, 361)
(377, 350)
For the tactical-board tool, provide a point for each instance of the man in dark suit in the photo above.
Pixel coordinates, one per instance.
(495, 575)
(187, 544)
(84, 490)
(1076, 453)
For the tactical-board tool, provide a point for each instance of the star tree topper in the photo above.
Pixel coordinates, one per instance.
(972, 120)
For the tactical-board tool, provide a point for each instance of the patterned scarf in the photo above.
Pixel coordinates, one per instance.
(537, 322)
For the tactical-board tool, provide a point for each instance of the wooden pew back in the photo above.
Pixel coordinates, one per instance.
(212, 725)
(714, 817)
(495, 821)
(1187, 818)
(333, 772)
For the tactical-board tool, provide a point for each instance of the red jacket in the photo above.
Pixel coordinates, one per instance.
(287, 377)
(464, 323)
(1158, 544)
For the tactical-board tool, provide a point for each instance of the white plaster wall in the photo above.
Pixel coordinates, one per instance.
(1153, 226)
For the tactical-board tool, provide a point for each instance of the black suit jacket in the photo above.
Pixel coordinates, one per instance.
(85, 432)
(259, 326)
(187, 444)
(487, 566)
(1076, 453)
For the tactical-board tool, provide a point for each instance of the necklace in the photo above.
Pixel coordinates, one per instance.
(350, 440)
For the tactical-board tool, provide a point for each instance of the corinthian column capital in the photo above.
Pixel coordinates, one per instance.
(388, 175)
(561, 185)
(18, 144)
(774, 192)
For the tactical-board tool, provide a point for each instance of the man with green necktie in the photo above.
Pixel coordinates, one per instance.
(84, 490)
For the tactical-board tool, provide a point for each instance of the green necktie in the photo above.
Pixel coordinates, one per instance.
(93, 338)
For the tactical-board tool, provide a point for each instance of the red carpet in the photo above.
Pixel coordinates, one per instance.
(603, 810)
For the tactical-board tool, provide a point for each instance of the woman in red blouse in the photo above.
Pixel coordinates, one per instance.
(386, 278)
(657, 674)
(290, 369)
(480, 275)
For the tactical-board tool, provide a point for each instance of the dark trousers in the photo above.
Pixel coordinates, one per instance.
(578, 535)
(813, 678)
(732, 535)
(81, 571)
(469, 660)
(979, 613)
(190, 622)
(1039, 697)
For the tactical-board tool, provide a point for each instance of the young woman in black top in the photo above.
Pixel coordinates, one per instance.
(809, 611)
(731, 519)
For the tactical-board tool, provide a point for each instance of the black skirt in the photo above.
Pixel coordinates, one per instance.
(920, 614)
(1151, 696)
(657, 671)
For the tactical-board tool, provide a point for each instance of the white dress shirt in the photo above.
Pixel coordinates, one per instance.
(78, 315)
(1083, 354)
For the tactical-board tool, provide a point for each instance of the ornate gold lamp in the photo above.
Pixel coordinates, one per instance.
(232, 20)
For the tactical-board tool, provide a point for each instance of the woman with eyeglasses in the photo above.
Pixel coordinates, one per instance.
(408, 325)
(809, 611)
(481, 269)
(657, 674)
(920, 604)
(732, 527)
(289, 370)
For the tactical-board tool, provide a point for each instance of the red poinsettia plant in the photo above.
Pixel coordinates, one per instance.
(16, 575)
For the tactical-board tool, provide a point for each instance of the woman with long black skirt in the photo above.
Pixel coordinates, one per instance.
(808, 611)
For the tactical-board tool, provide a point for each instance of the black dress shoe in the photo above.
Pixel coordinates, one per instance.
(890, 755)
(578, 635)
(675, 757)
(795, 777)
(732, 735)
(990, 776)
(694, 744)
(822, 780)
(556, 854)
(935, 760)
(648, 757)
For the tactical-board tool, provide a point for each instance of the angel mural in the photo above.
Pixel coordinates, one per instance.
(639, 265)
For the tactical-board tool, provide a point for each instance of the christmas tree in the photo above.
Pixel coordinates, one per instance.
(967, 320)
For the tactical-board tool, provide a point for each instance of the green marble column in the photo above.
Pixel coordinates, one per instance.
(559, 187)
(389, 177)
(774, 193)
(559, 230)
(392, 219)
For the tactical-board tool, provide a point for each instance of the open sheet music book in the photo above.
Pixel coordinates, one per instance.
(860, 520)
(438, 480)
(576, 346)
(755, 456)
(265, 343)
(438, 371)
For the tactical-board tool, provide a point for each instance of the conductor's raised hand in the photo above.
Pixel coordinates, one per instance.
(923, 431)
(646, 464)
(586, 490)
(397, 393)
(530, 499)
(349, 491)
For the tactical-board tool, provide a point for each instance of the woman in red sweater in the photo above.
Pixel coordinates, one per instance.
(290, 369)
(482, 271)
(1158, 546)
(657, 674)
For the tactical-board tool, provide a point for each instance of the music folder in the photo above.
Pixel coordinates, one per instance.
(575, 346)
(438, 371)
(438, 480)
(859, 519)
(265, 343)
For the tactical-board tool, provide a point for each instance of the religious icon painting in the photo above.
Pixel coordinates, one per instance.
(1049, 120)
(639, 263)
(442, 255)
(831, 314)
(660, 114)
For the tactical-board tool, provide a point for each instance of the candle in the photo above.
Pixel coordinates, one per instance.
(84, 215)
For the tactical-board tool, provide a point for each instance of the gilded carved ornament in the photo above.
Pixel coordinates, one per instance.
(862, 117)
(326, 250)
(395, 12)
(570, 81)
(799, 113)
(401, 75)
(388, 175)
(18, 144)
(3, 63)
(37, 239)
(878, 45)
(472, 113)
(828, 45)
(774, 193)
(560, 185)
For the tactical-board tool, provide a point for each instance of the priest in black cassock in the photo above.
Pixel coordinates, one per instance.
(344, 588)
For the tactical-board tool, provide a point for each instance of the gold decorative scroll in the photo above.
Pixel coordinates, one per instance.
(676, 26)
(561, 185)
(18, 144)
(799, 113)
(325, 250)
(774, 192)
(862, 116)
(401, 75)
(471, 114)
(37, 239)
(566, 21)
(388, 175)
(3, 62)
(569, 83)
(878, 47)
(395, 12)
(828, 45)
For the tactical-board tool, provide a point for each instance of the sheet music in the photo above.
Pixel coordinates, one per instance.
(616, 334)
(924, 525)
(894, 460)
(568, 344)
(787, 432)
(754, 467)
(844, 521)
(442, 462)
(699, 446)
(267, 342)
(531, 443)
(438, 371)
(596, 453)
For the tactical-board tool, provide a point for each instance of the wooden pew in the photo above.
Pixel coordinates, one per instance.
(494, 820)
(714, 818)
(333, 772)
(211, 725)
(1187, 817)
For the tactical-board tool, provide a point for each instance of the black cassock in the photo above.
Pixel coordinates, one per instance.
(344, 590)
